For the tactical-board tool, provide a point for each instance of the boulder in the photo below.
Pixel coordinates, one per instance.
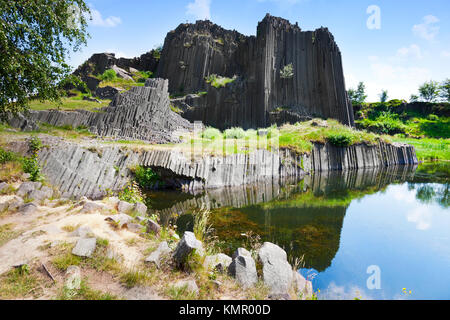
(73, 278)
(85, 98)
(121, 73)
(135, 227)
(302, 287)
(15, 203)
(106, 92)
(37, 195)
(140, 208)
(120, 219)
(220, 262)
(243, 269)
(277, 272)
(241, 252)
(3, 186)
(85, 247)
(82, 232)
(156, 256)
(27, 209)
(153, 227)
(125, 207)
(185, 247)
(189, 285)
(91, 206)
(47, 191)
(27, 187)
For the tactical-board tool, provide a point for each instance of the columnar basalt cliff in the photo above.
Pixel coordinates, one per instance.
(316, 86)
(86, 169)
(141, 113)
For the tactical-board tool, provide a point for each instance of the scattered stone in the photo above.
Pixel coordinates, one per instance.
(141, 219)
(185, 247)
(3, 186)
(27, 187)
(107, 92)
(135, 227)
(243, 268)
(156, 256)
(120, 219)
(85, 247)
(189, 285)
(279, 296)
(125, 207)
(153, 227)
(140, 209)
(302, 287)
(15, 203)
(28, 208)
(82, 232)
(85, 98)
(241, 252)
(91, 206)
(141, 293)
(220, 262)
(73, 278)
(277, 272)
(37, 195)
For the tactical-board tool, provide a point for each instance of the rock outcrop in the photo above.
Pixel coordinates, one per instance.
(243, 268)
(141, 113)
(315, 87)
(277, 272)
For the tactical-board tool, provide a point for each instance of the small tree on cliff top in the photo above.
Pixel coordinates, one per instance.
(445, 90)
(358, 96)
(429, 91)
(34, 41)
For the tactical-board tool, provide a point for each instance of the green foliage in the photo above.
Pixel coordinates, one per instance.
(358, 96)
(72, 81)
(109, 75)
(414, 98)
(7, 156)
(234, 133)
(287, 72)
(211, 133)
(433, 117)
(30, 164)
(157, 52)
(218, 81)
(428, 148)
(146, 177)
(131, 193)
(429, 91)
(445, 90)
(340, 139)
(35, 38)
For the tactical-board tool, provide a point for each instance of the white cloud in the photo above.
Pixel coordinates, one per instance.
(200, 9)
(335, 292)
(421, 216)
(428, 28)
(99, 21)
(413, 51)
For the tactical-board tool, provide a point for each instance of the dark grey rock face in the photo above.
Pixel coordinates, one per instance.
(142, 113)
(106, 92)
(316, 87)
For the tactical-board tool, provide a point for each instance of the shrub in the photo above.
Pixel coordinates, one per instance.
(340, 139)
(146, 177)
(218, 81)
(7, 156)
(234, 133)
(30, 165)
(211, 133)
(433, 117)
(287, 72)
(108, 75)
(131, 193)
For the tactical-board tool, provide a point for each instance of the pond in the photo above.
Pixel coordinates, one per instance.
(370, 234)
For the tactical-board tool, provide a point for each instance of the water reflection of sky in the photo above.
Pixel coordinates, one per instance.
(408, 239)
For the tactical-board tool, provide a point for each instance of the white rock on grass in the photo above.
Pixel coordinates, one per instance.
(302, 287)
(125, 207)
(73, 278)
(243, 269)
(220, 262)
(82, 232)
(120, 219)
(188, 285)
(156, 256)
(185, 247)
(85, 247)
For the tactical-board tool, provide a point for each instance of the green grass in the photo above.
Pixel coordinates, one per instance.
(218, 81)
(7, 233)
(84, 293)
(133, 278)
(68, 104)
(19, 283)
(428, 148)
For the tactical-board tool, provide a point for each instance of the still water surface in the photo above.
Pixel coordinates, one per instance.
(339, 224)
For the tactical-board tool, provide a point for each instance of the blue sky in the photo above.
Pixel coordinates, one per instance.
(411, 45)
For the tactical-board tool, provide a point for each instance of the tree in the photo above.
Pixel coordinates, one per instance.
(383, 96)
(429, 91)
(35, 39)
(413, 98)
(358, 96)
(445, 90)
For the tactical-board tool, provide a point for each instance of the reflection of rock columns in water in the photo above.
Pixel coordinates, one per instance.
(267, 222)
